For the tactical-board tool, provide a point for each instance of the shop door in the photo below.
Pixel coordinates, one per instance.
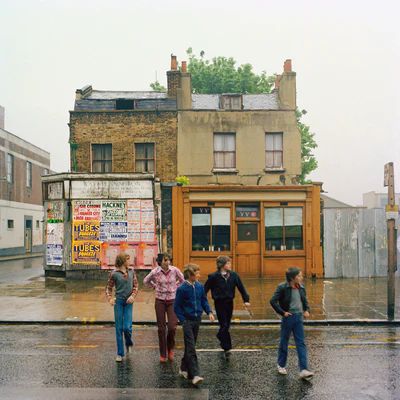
(248, 248)
(28, 236)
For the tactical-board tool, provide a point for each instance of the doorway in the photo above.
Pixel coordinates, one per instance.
(28, 235)
(248, 248)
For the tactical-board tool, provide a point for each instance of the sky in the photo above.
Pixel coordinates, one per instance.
(346, 55)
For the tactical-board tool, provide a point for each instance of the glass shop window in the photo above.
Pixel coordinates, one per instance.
(211, 230)
(283, 228)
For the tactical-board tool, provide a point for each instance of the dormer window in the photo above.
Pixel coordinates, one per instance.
(231, 101)
(124, 104)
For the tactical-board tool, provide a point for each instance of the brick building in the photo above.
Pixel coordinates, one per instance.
(21, 209)
(242, 154)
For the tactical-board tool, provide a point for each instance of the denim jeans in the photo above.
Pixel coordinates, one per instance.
(189, 361)
(123, 325)
(293, 323)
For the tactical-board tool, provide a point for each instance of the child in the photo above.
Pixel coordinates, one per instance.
(165, 279)
(223, 284)
(190, 302)
(124, 280)
(290, 301)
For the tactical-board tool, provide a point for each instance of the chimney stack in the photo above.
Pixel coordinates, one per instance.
(287, 87)
(173, 77)
(174, 63)
(184, 68)
(287, 66)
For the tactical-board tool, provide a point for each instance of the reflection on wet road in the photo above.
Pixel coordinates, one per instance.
(27, 296)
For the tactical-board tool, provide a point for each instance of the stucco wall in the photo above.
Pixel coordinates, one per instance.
(195, 145)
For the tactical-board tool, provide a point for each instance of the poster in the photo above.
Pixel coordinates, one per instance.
(141, 220)
(86, 230)
(113, 210)
(114, 231)
(87, 210)
(55, 211)
(54, 254)
(85, 252)
(55, 233)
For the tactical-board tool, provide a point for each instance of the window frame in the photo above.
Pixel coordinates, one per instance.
(210, 250)
(10, 168)
(103, 162)
(28, 172)
(274, 152)
(10, 226)
(226, 102)
(146, 160)
(224, 152)
(279, 252)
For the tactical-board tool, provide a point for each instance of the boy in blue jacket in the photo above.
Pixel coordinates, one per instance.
(190, 302)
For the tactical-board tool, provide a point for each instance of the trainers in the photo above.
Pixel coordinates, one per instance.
(183, 374)
(197, 380)
(228, 353)
(129, 349)
(282, 370)
(118, 358)
(163, 359)
(306, 374)
(171, 355)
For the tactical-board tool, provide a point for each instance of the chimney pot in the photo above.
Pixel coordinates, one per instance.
(174, 63)
(184, 68)
(287, 66)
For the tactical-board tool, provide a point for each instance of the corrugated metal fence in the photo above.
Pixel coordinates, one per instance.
(355, 242)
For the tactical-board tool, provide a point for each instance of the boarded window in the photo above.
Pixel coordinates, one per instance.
(224, 150)
(101, 158)
(124, 104)
(144, 157)
(274, 150)
(231, 102)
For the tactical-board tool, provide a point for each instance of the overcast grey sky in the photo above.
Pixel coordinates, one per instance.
(346, 55)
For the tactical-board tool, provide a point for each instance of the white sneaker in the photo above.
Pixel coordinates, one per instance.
(118, 358)
(306, 374)
(129, 349)
(197, 380)
(282, 370)
(183, 374)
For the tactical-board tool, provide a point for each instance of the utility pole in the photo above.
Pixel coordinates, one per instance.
(392, 211)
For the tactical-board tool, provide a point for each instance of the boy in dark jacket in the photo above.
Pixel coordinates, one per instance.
(222, 284)
(290, 301)
(190, 302)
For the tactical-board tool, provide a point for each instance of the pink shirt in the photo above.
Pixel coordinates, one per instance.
(164, 283)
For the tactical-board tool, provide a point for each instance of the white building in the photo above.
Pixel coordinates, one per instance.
(21, 211)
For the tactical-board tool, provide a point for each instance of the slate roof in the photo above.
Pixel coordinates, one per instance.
(99, 100)
(113, 95)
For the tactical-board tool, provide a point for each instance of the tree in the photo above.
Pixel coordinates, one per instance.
(220, 75)
(157, 87)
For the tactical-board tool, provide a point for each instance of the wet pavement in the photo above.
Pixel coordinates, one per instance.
(26, 295)
(349, 363)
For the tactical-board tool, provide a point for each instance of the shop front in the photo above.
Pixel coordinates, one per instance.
(90, 218)
(263, 229)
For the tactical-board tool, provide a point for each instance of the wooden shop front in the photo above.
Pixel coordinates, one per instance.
(263, 229)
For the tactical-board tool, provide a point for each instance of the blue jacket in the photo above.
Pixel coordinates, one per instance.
(190, 302)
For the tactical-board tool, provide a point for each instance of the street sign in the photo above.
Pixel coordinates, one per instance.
(386, 174)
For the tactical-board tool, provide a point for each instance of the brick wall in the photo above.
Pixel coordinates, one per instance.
(122, 129)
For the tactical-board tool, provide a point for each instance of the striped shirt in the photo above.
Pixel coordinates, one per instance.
(122, 283)
(165, 283)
